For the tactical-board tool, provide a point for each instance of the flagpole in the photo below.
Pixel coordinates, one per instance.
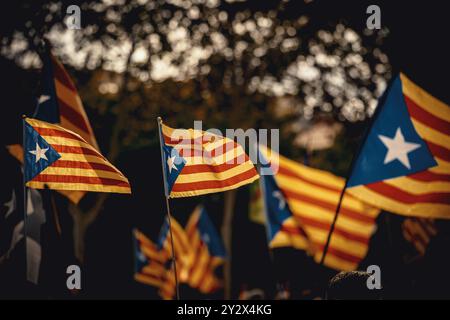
(25, 200)
(169, 216)
(352, 164)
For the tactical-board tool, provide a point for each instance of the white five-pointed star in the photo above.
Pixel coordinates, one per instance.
(171, 163)
(398, 148)
(39, 153)
(281, 202)
(43, 98)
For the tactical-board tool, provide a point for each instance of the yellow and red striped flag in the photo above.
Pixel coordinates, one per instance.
(208, 252)
(197, 162)
(62, 160)
(150, 262)
(404, 164)
(312, 196)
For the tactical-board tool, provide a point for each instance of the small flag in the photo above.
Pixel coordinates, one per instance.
(62, 160)
(312, 196)
(208, 252)
(198, 162)
(151, 264)
(404, 163)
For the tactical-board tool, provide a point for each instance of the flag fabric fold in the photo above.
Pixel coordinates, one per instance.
(62, 160)
(198, 162)
(311, 197)
(208, 252)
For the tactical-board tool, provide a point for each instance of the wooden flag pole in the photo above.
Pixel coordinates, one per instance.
(169, 216)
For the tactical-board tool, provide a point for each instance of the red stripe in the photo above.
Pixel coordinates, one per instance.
(340, 254)
(76, 150)
(61, 74)
(201, 168)
(428, 176)
(198, 151)
(427, 118)
(328, 206)
(83, 165)
(438, 151)
(176, 235)
(73, 116)
(332, 251)
(291, 173)
(57, 133)
(181, 140)
(294, 230)
(206, 271)
(213, 184)
(408, 198)
(79, 179)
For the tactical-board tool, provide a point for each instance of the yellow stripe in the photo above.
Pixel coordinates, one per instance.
(215, 176)
(74, 196)
(78, 186)
(176, 134)
(432, 135)
(354, 248)
(424, 99)
(284, 239)
(315, 192)
(230, 157)
(425, 210)
(199, 267)
(67, 142)
(71, 98)
(418, 187)
(88, 136)
(147, 280)
(319, 176)
(336, 263)
(154, 270)
(83, 173)
(207, 191)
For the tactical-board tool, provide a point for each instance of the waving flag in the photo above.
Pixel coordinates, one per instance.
(208, 252)
(151, 263)
(404, 164)
(197, 162)
(283, 230)
(312, 196)
(60, 103)
(62, 160)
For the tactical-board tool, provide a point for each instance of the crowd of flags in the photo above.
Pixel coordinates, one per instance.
(403, 167)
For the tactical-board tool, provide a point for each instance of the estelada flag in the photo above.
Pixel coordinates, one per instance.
(311, 196)
(404, 163)
(198, 162)
(208, 252)
(62, 160)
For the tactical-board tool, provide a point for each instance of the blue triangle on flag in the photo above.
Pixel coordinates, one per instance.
(173, 164)
(38, 153)
(209, 235)
(393, 148)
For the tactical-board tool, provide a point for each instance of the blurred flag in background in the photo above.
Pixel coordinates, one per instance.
(208, 252)
(312, 196)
